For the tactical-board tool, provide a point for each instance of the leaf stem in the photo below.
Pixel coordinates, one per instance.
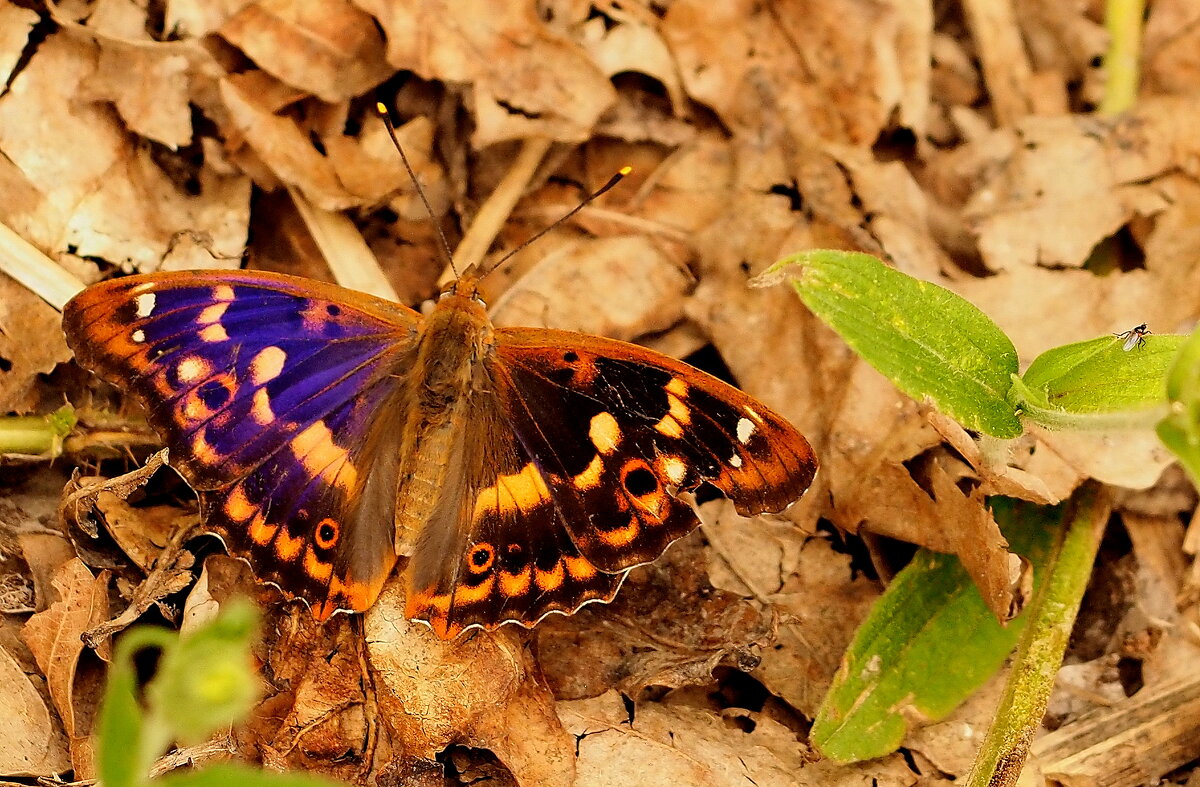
(1123, 19)
(1039, 655)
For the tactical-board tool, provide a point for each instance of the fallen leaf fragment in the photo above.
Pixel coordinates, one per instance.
(55, 637)
(528, 78)
(481, 690)
(677, 745)
(31, 344)
(30, 743)
(328, 48)
(622, 287)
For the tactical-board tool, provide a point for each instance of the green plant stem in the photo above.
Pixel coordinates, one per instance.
(1039, 655)
(36, 435)
(1123, 19)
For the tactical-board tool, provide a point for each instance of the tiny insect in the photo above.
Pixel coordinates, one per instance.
(1134, 337)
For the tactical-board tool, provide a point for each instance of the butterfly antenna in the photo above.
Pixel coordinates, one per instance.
(444, 246)
(614, 180)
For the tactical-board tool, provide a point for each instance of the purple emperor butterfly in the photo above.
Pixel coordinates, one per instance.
(514, 472)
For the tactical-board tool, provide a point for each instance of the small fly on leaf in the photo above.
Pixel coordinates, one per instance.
(1134, 337)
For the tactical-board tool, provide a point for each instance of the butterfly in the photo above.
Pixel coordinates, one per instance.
(513, 472)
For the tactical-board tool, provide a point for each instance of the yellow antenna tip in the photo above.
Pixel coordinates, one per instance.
(626, 170)
(380, 108)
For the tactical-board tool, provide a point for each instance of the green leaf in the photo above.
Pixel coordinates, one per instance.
(927, 644)
(227, 774)
(1180, 430)
(1097, 384)
(924, 338)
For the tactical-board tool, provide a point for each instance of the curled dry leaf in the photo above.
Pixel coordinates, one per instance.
(107, 199)
(165, 73)
(997, 476)
(141, 533)
(328, 48)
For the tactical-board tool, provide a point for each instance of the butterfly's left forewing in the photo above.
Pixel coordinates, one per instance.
(270, 393)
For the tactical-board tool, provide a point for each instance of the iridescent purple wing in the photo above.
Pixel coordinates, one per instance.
(271, 393)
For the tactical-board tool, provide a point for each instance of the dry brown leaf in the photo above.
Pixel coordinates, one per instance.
(820, 604)
(996, 463)
(149, 82)
(677, 745)
(45, 553)
(1071, 182)
(621, 287)
(16, 23)
(31, 744)
(752, 556)
(891, 209)
(141, 533)
(943, 519)
(328, 48)
(480, 691)
(1134, 459)
(106, 199)
(667, 627)
(1172, 41)
(746, 60)
(527, 76)
(627, 38)
(31, 344)
(55, 637)
(281, 144)
(1153, 630)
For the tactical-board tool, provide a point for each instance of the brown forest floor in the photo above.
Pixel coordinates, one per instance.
(960, 142)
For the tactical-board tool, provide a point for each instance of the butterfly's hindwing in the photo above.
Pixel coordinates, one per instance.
(620, 430)
(496, 547)
(574, 449)
(266, 389)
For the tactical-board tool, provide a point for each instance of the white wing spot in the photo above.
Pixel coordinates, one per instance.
(675, 469)
(193, 368)
(139, 336)
(267, 365)
(145, 304)
(735, 462)
(604, 432)
(745, 428)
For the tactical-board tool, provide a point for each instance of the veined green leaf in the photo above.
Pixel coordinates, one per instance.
(1097, 384)
(928, 643)
(928, 341)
